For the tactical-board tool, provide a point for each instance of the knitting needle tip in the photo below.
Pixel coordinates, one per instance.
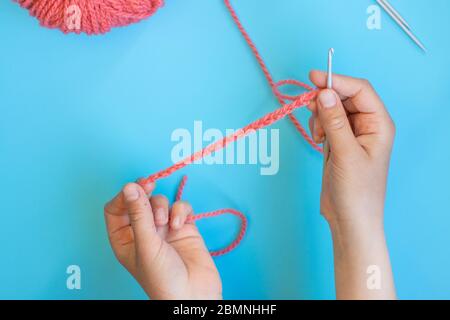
(395, 15)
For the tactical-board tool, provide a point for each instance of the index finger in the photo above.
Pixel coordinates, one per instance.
(360, 92)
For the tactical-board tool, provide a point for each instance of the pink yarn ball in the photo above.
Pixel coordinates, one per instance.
(89, 16)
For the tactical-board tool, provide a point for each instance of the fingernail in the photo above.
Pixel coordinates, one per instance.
(131, 192)
(327, 99)
(176, 222)
(160, 215)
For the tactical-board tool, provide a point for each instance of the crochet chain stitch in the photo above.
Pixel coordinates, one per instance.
(267, 120)
(286, 109)
(99, 16)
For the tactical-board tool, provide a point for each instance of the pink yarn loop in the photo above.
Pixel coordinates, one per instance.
(286, 109)
(213, 214)
(99, 16)
(293, 83)
(89, 16)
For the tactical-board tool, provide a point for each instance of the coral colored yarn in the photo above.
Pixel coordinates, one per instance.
(286, 109)
(267, 120)
(280, 97)
(216, 213)
(99, 16)
(95, 16)
(263, 122)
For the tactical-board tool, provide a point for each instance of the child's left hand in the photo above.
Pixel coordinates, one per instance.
(166, 254)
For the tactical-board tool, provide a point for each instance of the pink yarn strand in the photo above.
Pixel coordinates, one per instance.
(286, 109)
(269, 77)
(213, 214)
(99, 17)
(263, 122)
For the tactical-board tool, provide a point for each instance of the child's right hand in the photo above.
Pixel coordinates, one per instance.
(359, 135)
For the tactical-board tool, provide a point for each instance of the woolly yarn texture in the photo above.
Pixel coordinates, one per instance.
(89, 16)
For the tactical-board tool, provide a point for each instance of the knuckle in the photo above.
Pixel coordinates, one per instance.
(366, 83)
(136, 215)
(138, 207)
(109, 208)
(106, 208)
(337, 122)
(393, 127)
(390, 128)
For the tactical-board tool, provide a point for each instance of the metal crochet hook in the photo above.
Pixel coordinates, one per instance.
(401, 22)
(326, 146)
(330, 69)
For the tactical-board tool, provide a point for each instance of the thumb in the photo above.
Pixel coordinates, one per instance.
(335, 123)
(140, 214)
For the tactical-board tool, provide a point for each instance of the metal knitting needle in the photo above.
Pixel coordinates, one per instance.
(401, 24)
(396, 13)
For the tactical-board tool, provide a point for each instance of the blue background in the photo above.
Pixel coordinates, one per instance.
(81, 116)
